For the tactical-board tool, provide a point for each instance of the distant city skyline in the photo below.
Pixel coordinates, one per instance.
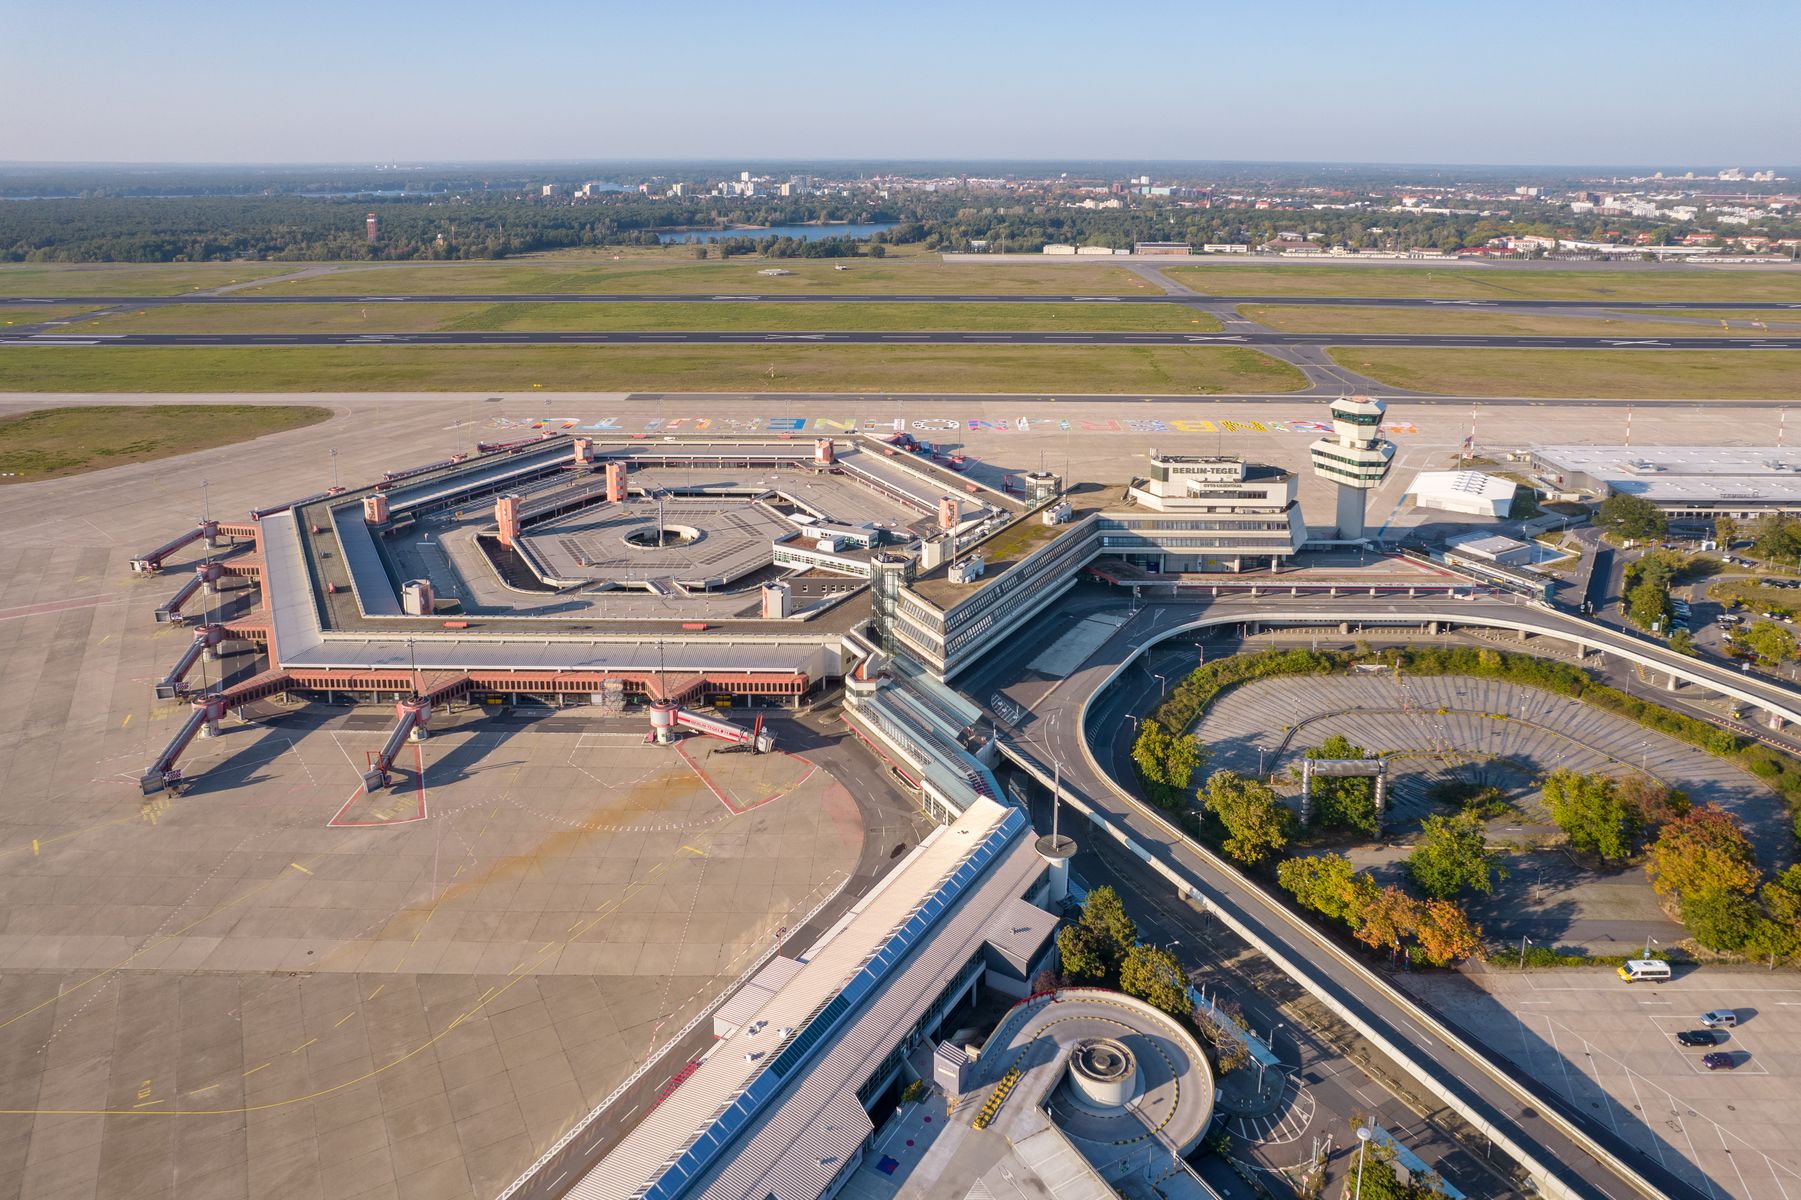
(1295, 81)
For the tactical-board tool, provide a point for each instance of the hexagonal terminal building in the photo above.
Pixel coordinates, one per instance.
(1356, 458)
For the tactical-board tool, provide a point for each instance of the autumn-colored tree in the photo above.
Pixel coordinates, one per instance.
(1446, 933)
(1388, 918)
(1702, 853)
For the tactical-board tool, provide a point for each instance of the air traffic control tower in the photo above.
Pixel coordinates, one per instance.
(1356, 458)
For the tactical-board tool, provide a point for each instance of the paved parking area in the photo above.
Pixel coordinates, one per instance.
(1609, 1048)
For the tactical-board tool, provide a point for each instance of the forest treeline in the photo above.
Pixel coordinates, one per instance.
(486, 226)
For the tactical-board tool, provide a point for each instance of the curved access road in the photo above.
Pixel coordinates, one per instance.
(1562, 1148)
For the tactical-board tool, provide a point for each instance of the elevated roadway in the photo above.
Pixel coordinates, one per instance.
(1567, 1153)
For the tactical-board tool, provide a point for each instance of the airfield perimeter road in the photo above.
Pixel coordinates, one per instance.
(1052, 727)
(881, 298)
(873, 338)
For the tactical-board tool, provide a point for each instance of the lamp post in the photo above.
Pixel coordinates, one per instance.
(1649, 942)
(334, 468)
(1524, 942)
(1364, 1133)
(1162, 685)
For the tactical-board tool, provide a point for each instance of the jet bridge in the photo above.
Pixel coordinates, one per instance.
(206, 641)
(151, 563)
(206, 574)
(203, 721)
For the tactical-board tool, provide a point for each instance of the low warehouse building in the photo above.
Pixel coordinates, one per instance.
(1471, 492)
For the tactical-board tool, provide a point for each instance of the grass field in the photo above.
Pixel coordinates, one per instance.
(1738, 317)
(1625, 374)
(874, 369)
(130, 279)
(738, 276)
(1352, 319)
(49, 442)
(1679, 283)
(616, 315)
(32, 314)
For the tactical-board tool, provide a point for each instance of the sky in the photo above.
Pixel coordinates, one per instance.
(1452, 81)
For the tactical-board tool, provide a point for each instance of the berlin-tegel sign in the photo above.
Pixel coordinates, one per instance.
(885, 425)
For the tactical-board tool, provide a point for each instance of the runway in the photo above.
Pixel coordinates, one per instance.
(880, 298)
(1447, 341)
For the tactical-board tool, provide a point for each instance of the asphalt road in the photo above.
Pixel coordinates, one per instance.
(876, 298)
(876, 338)
(1054, 728)
(892, 825)
(1336, 1089)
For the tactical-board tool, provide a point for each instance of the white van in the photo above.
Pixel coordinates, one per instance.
(1639, 969)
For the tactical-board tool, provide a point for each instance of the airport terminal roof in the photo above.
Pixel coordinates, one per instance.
(772, 1111)
(1757, 475)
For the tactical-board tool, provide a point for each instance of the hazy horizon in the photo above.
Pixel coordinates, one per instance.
(1302, 81)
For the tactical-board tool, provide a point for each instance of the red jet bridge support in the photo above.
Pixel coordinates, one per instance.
(206, 575)
(666, 716)
(206, 639)
(202, 722)
(152, 562)
(412, 716)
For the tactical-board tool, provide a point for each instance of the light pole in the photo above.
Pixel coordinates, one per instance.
(1162, 686)
(1649, 942)
(1363, 1144)
(334, 469)
(1524, 942)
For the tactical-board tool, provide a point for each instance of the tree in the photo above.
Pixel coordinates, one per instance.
(1769, 642)
(1084, 954)
(1631, 517)
(1591, 811)
(1345, 801)
(1725, 532)
(1446, 933)
(1703, 853)
(1325, 883)
(1683, 642)
(1166, 763)
(1655, 803)
(1721, 920)
(1374, 1177)
(1648, 604)
(1452, 854)
(1257, 824)
(1155, 976)
(1776, 536)
(1093, 948)
(1386, 918)
(1778, 934)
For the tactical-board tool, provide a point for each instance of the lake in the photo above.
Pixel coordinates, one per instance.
(806, 233)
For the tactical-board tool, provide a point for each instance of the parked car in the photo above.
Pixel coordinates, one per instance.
(1700, 1037)
(1719, 1061)
(1720, 1018)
